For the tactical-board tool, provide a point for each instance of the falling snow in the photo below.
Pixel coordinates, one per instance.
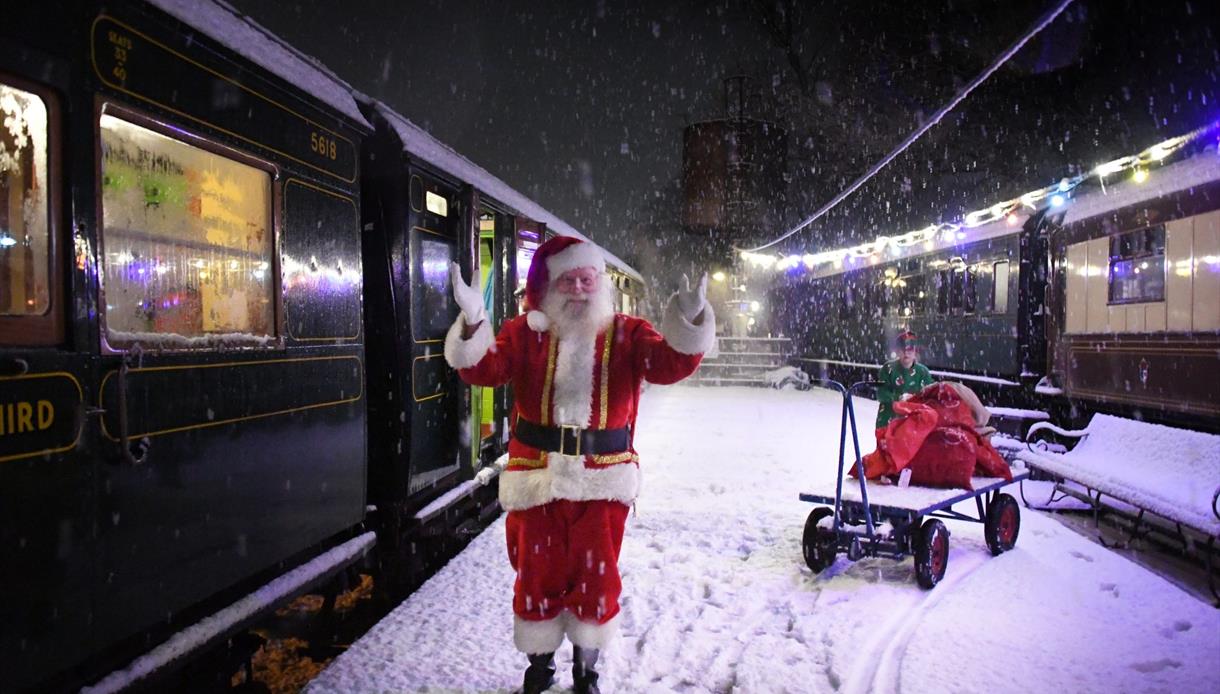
(717, 597)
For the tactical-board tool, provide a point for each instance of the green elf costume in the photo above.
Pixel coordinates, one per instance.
(901, 376)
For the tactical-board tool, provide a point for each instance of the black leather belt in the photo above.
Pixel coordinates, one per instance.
(572, 440)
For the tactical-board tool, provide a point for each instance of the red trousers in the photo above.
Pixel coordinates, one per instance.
(566, 557)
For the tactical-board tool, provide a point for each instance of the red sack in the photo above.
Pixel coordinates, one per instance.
(898, 442)
(988, 462)
(945, 399)
(906, 433)
(946, 459)
(876, 464)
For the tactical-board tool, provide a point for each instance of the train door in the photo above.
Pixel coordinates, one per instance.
(46, 481)
(497, 265)
(436, 238)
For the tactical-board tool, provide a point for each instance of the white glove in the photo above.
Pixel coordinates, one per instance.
(489, 472)
(469, 297)
(691, 301)
(486, 475)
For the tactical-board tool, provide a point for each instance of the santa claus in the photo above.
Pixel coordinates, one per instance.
(575, 367)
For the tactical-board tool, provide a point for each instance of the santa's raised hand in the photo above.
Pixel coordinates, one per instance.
(691, 301)
(469, 297)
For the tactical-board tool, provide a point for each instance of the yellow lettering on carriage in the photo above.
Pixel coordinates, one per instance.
(26, 416)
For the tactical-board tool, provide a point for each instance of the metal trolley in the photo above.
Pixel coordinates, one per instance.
(897, 521)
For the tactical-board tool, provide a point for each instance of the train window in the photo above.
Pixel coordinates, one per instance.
(437, 309)
(849, 300)
(25, 235)
(1137, 266)
(962, 289)
(969, 289)
(943, 283)
(187, 242)
(999, 293)
(912, 292)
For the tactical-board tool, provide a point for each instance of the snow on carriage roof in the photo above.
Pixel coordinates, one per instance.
(1171, 178)
(418, 142)
(224, 23)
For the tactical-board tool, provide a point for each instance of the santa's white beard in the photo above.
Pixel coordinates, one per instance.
(573, 319)
(577, 328)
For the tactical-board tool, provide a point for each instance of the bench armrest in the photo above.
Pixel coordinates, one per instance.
(1069, 433)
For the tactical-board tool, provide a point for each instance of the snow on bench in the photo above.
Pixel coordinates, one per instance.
(1173, 473)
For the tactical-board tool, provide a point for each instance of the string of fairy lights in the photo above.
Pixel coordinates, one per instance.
(1013, 212)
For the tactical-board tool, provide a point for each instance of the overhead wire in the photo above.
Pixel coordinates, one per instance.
(961, 95)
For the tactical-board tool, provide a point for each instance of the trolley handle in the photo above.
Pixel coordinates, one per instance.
(853, 389)
(832, 384)
(849, 422)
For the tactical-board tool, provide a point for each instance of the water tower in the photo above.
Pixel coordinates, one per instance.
(733, 195)
(733, 172)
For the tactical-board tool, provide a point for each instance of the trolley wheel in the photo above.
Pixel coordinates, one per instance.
(818, 544)
(1003, 524)
(931, 553)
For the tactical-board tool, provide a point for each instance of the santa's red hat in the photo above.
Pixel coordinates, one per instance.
(555, 257)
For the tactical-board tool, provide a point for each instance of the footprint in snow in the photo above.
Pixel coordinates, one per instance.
(1151, 666)
(1110, 588)
(1081, 556)
(1178, 627)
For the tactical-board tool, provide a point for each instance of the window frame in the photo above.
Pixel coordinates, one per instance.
(48, 328)
(1112, 259)
(193, 138)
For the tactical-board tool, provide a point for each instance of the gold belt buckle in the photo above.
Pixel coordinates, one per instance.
(576, 434)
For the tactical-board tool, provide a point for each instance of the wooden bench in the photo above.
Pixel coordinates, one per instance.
(1158, 478)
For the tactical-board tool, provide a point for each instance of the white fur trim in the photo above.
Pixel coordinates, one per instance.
(538, 321)
(522, 489)
(684, 336)
(591, 634)
(574, 364)
(463, 354)
(583, 254)
(539, 637)
(566, 477)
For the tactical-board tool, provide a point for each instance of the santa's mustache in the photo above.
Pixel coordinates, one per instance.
(589, 312)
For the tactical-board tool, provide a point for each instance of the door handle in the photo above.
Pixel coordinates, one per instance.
(132, 454)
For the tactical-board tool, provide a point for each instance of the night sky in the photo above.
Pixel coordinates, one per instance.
(581, 105)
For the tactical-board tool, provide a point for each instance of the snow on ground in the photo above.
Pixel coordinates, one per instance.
(717, 597)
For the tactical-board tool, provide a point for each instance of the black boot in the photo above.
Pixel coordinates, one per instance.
(540, 675)
(584, 677)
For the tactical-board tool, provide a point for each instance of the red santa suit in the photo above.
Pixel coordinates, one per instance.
(566, 511)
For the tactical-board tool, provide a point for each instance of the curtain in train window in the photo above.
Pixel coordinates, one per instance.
(187, 241)
(1137, 266)
(24, 231)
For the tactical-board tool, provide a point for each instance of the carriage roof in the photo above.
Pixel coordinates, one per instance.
(419, 143)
